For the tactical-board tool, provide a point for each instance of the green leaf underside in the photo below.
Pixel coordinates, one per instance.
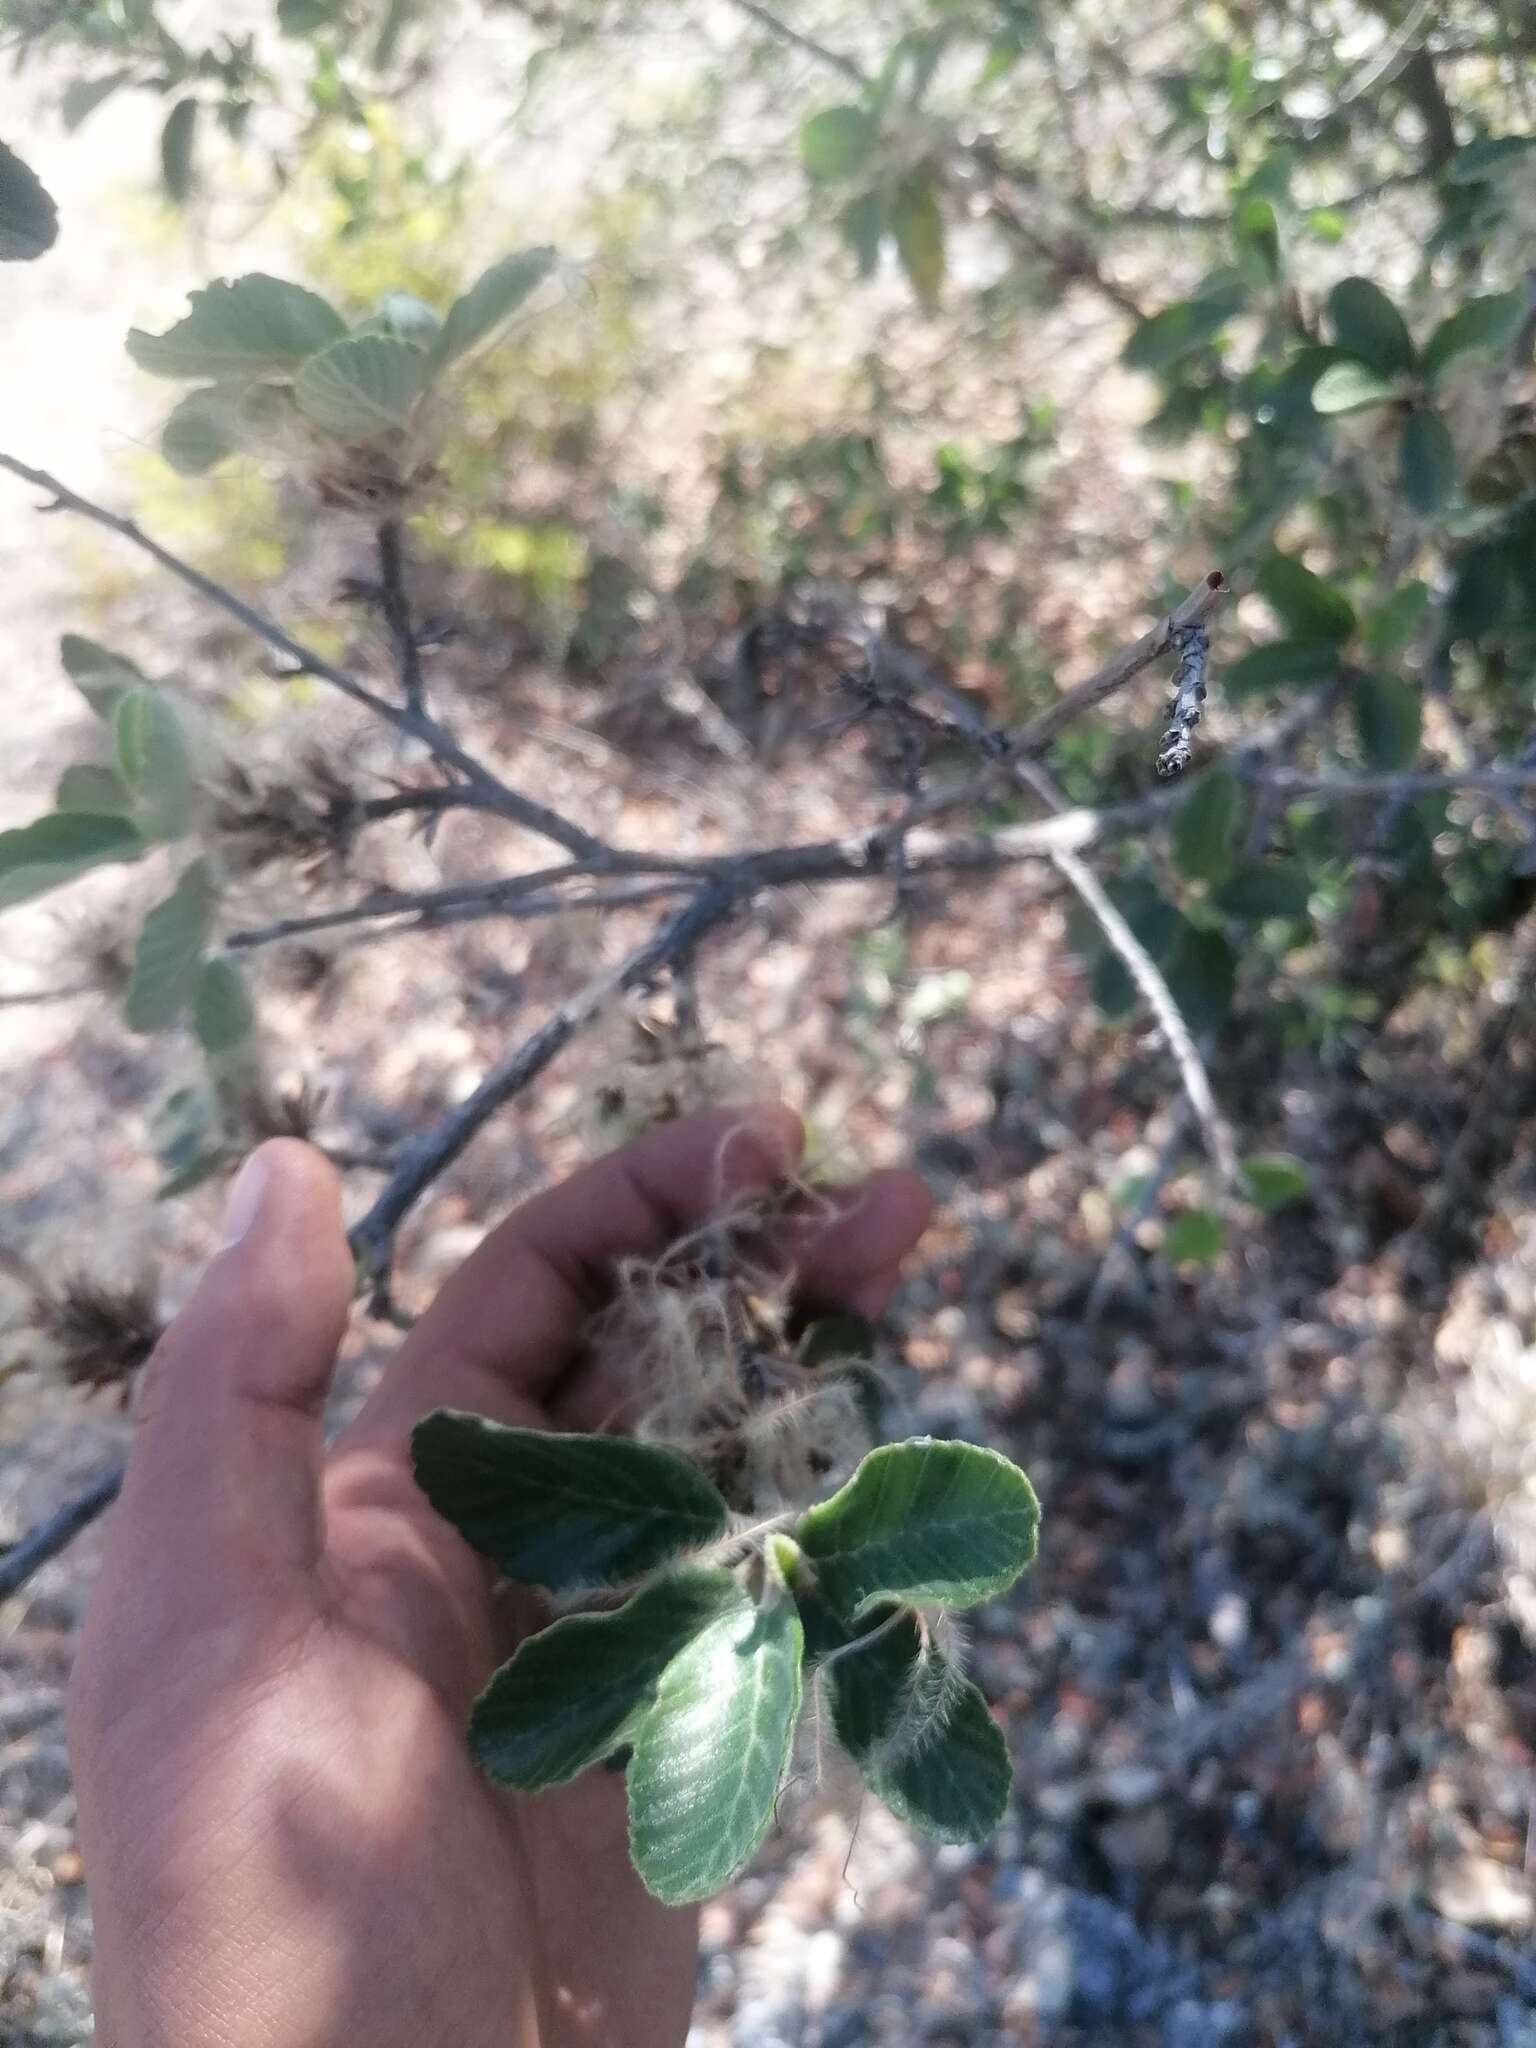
(926, 1520)
(920, 1733)
(155, 762)
(1368, 325)
(29, 220)
(364, 385)
(711, 1753)
(223, 1015)
(246, 327)
(563, 1511)
(565, 1699)
(490, 300)
(404, 317)
(102, 677)
(38, 857)
(201, 430)
(1349, 387)
(168, 960)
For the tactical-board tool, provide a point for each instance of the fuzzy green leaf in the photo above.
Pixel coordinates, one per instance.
(920, 1733)
(1275, 889)
(1349, 387)
(1194, 1237)
(563, 1511)
(223, 1015)
(1490, 322)
(201, 430)
(1274, 1180)
(246, 327)
(364, 385)
(1309, 608)
(493, 298)
(924, 1520)
(38, 857)
(1165, 338)
(711, 1753)
(1388, 718)
(1206, 824)
(403, 317)
(863, 223)
(566, 1698)
(29, 220)
(1395, 621)
(155, 761)
(1368, 325)
(168, 960)
(836, 142)
(89, 787)
(917, 226)
(1427, 459)
(102, 677)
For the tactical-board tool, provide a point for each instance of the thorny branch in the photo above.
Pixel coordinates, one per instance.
(397, 615)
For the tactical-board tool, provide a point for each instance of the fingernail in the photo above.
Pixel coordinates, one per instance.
(245, 1198)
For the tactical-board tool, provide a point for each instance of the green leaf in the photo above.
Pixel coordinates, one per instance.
(1278, 662)
(1201, 971)
(1393, 624)
(85, 95)
(168, 960)
(250, 327)
(102, 677)
(710, 1755)
(1349, 387)
(834, 1339)
(1487, 158)
(1309, 608)
(1274, 1180)
(563, 1511)
(87, 787)
(155, 762)
(1205, 825)
(1480, 592)
(917, 226)
(363, 385)
(925, 1520)
(1427, 460)
(1491, 322)
(202, 429)
(1166, 338)
(864, 223)
(1256, 236)
(38, 857)
(223, 1015)
(488, 302)
(403, 317)
(920, 1733)
(1276, 889)
(1388, 717)
(1194, 1237)
(1368, 325)
(177, 139)
(568, 1695)
(29, 220)
(836, 142)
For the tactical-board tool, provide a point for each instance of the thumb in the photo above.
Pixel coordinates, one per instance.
(225, 1466)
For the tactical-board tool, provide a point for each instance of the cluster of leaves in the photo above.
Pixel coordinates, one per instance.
(699, 1676)
(272, 360)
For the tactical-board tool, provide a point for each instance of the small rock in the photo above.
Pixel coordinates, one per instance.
(1475, 1891)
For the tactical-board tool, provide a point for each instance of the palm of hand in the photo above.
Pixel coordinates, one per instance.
(277, 1804)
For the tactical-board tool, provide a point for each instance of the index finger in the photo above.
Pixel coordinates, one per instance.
(506, 1325)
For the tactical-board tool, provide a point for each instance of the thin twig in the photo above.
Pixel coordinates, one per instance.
(415, 723)
(48, 1538)
(397, 614)
(428, 909)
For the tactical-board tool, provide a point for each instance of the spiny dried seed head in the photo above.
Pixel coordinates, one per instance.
(310, 818)
(99, 1333)
(659, 1071)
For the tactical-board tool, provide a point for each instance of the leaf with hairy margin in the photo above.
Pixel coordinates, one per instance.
(364, 385)
(568, 1695)
(712, 1751)
(168, 959)
(926, 1520)
(247, 326)
(563, 1511)
(491, 299)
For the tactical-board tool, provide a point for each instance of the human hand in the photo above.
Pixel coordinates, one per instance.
(286, 1842)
